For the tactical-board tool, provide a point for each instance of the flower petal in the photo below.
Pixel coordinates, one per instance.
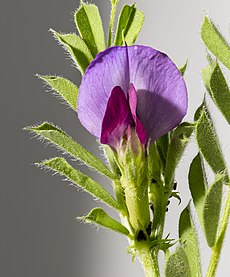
(161, 91)
(117, 118)
(140, 130)
(108, 70)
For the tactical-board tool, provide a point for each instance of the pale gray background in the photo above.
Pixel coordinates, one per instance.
(38, 233)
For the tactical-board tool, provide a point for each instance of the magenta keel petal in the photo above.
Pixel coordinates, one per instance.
(116, 119)
(140, 130)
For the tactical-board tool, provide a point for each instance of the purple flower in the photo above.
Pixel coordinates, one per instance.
(131, 88)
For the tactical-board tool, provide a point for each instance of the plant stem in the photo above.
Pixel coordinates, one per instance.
(216, 250)
(111, 23)
(149, 261)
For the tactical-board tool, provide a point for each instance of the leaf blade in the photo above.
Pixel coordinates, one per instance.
(179, 140)
(61, 166)
(220, 92)
(89, 24)
(66, 143)
(189, 241)
(207, 139)
(206, 75)
(183, 68)
(77, 48)
(215, 42)
(100, 217)
(198, 185)
(129, 25)
(212, 208)
(65, 88)
(162, 146)
(177, 264)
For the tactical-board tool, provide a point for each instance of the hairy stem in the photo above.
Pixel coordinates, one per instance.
(216, 250)
(111, 23)
(149, 261)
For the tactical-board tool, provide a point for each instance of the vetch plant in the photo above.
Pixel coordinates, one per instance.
(133, 99)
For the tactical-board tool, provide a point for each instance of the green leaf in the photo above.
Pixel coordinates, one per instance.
(60, 165)
(215, 42)
(100, 217)
(77, 48)
(109, 153)
(189, 241)
(129, 25)
(212, 208)
(206, 75)
(198, 185)
(207, 71)
(162, 146)
(179, 140)
(220, 92)
(66, 143)
(66, 89)
(154, 162)
(208, 142)
(177, 264)
(89, 25)
(199, 111)
(183, 68)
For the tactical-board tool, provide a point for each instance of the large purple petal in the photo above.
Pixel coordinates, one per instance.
(117, 118)
(161, 91)
(108, 70)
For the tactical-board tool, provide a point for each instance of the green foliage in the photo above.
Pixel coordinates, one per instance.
(60, 165)
(177, 264)
(198, 185)
(199, 111)
(154, 162)
(212, 208)
(111, 159)
(218, 88)
(77, 48)
(100, 217)
(66, 143)
(220, 91)
(66, 89)
(208, 142)
(189, 241)
(206, 75)
(215, 42)
(162, 146)
(89, 25)
(179, 140)
(129, 25)
(183, 68)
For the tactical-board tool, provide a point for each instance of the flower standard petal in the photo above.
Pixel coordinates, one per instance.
(117, 118)
(161, 91)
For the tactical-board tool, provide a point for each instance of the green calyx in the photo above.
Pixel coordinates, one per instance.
(132, 161)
